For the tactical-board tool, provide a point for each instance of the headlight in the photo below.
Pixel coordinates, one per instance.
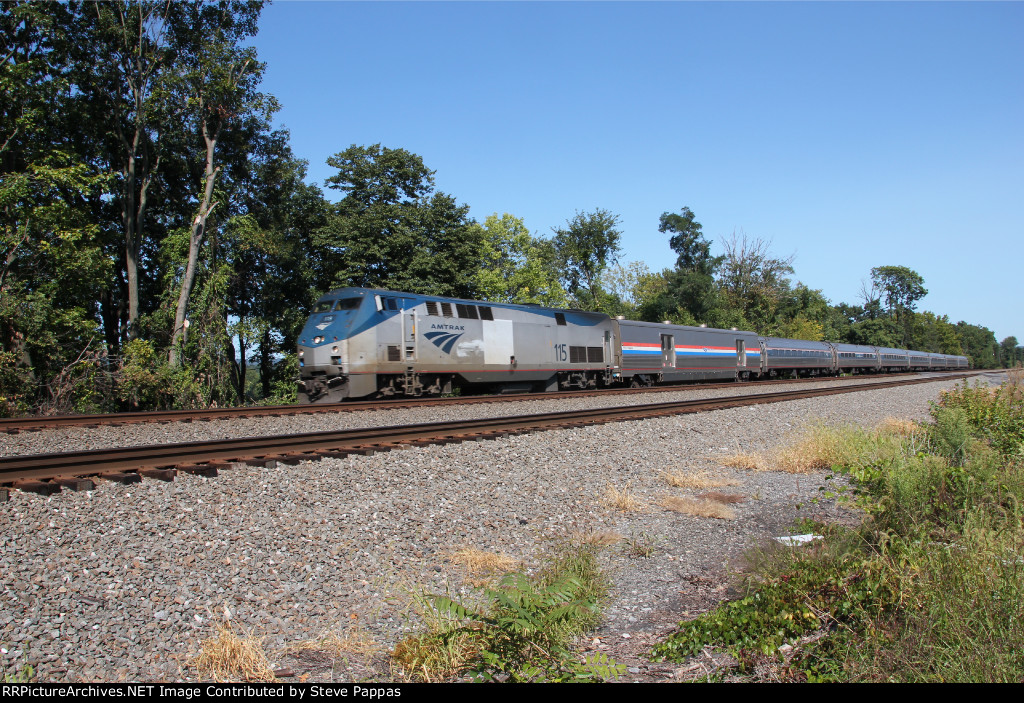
(317, 340)
(334, 350)
(301, 354)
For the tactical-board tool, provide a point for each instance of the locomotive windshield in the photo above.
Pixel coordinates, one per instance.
(343, 304)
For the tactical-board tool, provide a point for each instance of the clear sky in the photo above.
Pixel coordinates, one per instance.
(852, 135)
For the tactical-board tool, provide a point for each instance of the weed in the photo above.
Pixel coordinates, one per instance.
(23, 675)
(522, 629)
(643, 546)
(621, 499)
(597, 538)
(230, 657)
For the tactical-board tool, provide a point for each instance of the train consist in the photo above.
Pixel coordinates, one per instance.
(361, 342)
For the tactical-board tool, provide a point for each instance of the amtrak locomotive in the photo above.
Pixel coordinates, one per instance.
(361, 342)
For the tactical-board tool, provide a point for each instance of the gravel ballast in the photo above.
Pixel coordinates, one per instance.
(125, 582)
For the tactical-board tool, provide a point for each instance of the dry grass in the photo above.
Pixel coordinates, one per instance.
(699, 480)
(698, 507)
(436, 655)
(483, 567)
(720, 497)
(230, 657)
(354, 640)
(746, 460)
(820, 447)
(621, 499)
(598, 538)
(900, 427)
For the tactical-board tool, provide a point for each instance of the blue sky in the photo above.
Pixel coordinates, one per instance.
(852, 135)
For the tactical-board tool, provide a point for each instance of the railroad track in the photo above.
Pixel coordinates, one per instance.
(49, 473)
(14, 425)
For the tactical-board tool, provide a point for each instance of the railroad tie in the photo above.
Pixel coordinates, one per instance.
(43, 488)
(76, 484)
(159, 474)
(120, 477)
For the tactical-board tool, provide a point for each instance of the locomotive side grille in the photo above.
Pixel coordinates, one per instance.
(577, 355)
(446, 308)
(595, 355)
(485, 313)
(393, 353)
(431, 307)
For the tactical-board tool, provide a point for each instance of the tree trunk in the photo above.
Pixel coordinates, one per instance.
(179, 336)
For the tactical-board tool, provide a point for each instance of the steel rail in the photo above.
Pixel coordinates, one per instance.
(14, 425)
(207, 456)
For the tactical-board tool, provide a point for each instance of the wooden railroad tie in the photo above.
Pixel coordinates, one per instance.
(121, 477)
(75, 484)
(43, 488)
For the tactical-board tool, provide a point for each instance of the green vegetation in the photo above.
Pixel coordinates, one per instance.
(522, 630)
(928, 588)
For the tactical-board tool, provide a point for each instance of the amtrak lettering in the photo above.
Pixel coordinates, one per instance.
(460, 328)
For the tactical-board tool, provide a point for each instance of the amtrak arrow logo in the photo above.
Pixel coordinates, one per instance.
(443, 340)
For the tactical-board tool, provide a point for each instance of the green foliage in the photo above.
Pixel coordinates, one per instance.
(516, 267)
(997, 416)
(814, 589)
(523, 629)
(585, 247)
(25, 674)
(929, 588)
(392, 231)
(14, 387)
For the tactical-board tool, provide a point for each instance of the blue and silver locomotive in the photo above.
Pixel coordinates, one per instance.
(361, 342)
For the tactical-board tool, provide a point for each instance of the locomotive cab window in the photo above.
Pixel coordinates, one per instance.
(324, 306)
(348, 303)
(559, 319)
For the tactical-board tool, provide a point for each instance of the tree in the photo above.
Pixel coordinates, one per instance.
(753, 280)
(979, 344)
(516, 267)
(1011, 353)
(690, 294)
(51, 261)
(121, 72)
(900, 288)
(218, 82)
(587, 245)
(392, 231)
(688, 242)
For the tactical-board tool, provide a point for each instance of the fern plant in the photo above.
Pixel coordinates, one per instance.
(525, 632)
